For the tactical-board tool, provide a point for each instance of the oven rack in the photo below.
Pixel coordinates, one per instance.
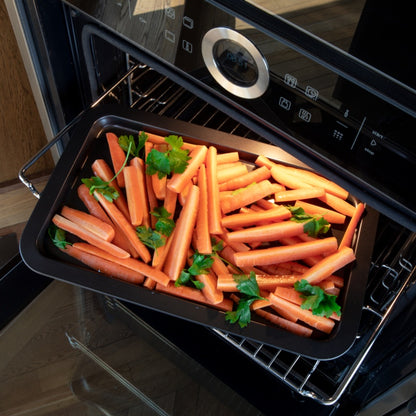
(392, 269)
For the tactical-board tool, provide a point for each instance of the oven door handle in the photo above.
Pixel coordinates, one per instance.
(58, 138)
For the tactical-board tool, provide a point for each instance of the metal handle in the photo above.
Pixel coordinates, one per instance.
(59, 136)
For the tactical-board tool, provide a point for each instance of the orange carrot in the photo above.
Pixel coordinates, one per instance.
(282, 176)
(226, 282)
(85, 234)
(92, 205)
(104, 266)
(133, 193)
(223, 166)
(281, 254)
(264, 161)
(93, 224)
(338, 204)
(299, 193)
(178, 181)
(328, 265)
(256, 175)
(319, 322)
(210, 289)
(160, 254)
(214, 207)
(129, 263)
(182, 235)
(246, 196)
(347, 238)
(293, 327)
(125, 226)
(117, 157)
(227, 157)
(159, 184)
(104, 172)
(202, 236)
(157, 139)
(251, 218)
(143, 199)
(331, 216)
(193, 295)
(151, 197)
(227, 174)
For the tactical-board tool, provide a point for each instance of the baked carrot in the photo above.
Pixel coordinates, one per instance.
(149, 283)
(265, 204)
(143, 199)
(328, 265)
(133, 194)
(251, 218)
(282, 176)
(182, 235)
(226, 282)
(88, 236)
(293, 327)
(92, 205)
(338, 204)
(214, 207)
(228, 165)
(227, 157)
(329, 287)
(299, 193)
(347, 238)
(246, 196)
(210, 290)
(262, 160)
(202, 237)
(281, 254)
(104, 266)
(255, 175)
(319, 322)
(331, 216)
(129, 263)
(232, 172)
(178, 181)
(124, 225)
(157, 139)
(193, 295)
(151, 197)
(93, 224)
(287, 241)
(101, 169)
(117, 157)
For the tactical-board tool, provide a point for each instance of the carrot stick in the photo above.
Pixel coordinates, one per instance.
(182, 235)
(338, 204)
(151, 197)
(157, 139)
(346, 240)
(227, 174)
(214, 207)
(299, 193)
(264, 161)
(193, 295)
(104, 172)
(223, 166)
(331, 216)
(143, 199)
(227, 157)
(133, 193)
(293, 327)
(124, 225)
(149, 283)
(88, 236)
(319, 322)
(251, 218)
(226, 282)
(282, 176)
(202, 237)
(93, 224)
(104, 266)
(256, 175)
(92, 205)
(159, 184)
(117, 156)
(130, 263)
(281, 254)
(328, 265)
(210, 289)
(287, 241)
(246, 196)
(267, 232)
(178, 181)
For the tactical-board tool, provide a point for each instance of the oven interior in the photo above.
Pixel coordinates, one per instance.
(130, 82)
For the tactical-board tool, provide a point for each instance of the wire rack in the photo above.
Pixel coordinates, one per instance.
(392, 269)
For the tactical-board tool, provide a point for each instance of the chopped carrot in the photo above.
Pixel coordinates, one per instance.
(133, 194)
(159, 184)
(104, 266)
(285, 178)
(202, 236)
(338, 204)
(331, 216)
(157, 139)
(141, 176)
(226, 282)
(117, 157)
(182, 235)
(93, 224)
(255, 175)
(228, 157)
(347, 238)
(85, 234)
(210, 290)
(151, 196)
(232, 172)
(214, 207)
(281, 254)
(299, 193)
(92, 205)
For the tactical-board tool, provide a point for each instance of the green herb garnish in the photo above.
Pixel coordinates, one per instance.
(164, 224)
(173, 160)
(248, 287)
(58, 236)
(314, 224)
(317, 300)
(200, 265)
(135, 145)
(150, 238)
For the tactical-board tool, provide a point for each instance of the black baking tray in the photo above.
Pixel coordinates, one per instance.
(88, 143)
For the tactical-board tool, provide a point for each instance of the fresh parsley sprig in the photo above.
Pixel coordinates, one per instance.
(200, 265)
(135, 145)
(248, 287)
(173, 160)
(58, 236)
(317, 300)
(313, 224)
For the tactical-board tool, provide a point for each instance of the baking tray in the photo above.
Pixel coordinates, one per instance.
(88, 143)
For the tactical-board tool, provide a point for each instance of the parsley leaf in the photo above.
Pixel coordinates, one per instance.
(200, 265)
(185, 278)
(316, 300)
(125, 141)
(149, 237)
(248, 287)
(57, 236)
(173, 160)
(164, 224)
(314, 224)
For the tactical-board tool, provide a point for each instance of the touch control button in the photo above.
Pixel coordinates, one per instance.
(235, 63)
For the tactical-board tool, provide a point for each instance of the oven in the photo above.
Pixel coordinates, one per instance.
(320, 80)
